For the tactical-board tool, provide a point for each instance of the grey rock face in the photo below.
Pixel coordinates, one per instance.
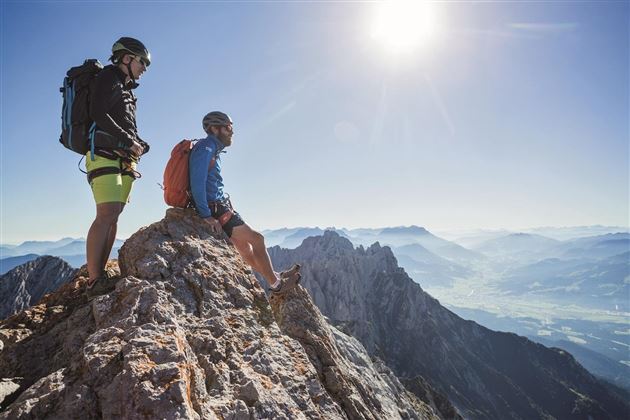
(26, 284)
(187, 333)
(343, 365)
(486, 374)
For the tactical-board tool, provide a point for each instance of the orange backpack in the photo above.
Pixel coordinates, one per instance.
(176, 178)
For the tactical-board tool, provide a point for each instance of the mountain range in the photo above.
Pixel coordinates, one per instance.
(70, 249)
(392, 236)
(33, 247)
(472, 237)
(597, 284)
(184, 297)
(509, 270)
(528, 247)
(485, 374)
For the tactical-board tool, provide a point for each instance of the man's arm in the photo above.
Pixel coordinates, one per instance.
(199, 163)
(103, 97)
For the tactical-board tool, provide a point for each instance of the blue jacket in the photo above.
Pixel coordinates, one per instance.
(206, 183)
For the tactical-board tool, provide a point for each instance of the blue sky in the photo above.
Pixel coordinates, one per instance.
(514, 115)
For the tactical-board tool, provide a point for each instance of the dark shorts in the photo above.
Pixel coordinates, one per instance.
(218, 209)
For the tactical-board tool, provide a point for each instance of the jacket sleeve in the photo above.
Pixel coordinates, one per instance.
(200, 159)
(103, 97)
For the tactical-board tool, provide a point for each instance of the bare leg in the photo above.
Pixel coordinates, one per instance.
(251, 245)
(111, 238)
(98, 237)
(246, 252)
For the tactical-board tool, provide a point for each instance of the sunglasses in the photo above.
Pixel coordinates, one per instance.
(141, 61)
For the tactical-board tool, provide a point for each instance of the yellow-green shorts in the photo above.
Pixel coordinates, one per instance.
(109, 188)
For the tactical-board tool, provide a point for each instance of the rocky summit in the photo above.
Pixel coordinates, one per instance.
(186, 332)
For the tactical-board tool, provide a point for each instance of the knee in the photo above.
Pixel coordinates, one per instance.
(245, 234)
(259, 239)
(107, 217)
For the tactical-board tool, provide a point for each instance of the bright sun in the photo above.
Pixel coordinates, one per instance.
(404, 25)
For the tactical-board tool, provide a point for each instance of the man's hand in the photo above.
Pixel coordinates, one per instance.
(145, 146)
(136, 149)
(215, 226)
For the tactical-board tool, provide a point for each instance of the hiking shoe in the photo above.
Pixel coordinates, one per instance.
(110, 274)
(100, 286)
(286, 283)
(291, 271)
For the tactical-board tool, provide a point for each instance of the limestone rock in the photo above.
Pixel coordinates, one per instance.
(343, 365)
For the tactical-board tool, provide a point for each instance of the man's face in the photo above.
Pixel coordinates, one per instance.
(224, 134)
(138, 66)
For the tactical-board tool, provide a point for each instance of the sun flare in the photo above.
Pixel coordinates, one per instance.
(404, 25)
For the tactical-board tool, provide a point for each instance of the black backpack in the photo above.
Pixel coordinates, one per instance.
(75, 115)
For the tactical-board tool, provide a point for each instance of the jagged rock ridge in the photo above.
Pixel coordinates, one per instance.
(187, 332)
(343, 364)
(486, 374)
(26, 284)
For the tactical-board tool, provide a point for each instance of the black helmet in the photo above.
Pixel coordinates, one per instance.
(215, 118)
(132, 46)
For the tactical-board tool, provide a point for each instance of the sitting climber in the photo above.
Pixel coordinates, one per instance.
(206, 185)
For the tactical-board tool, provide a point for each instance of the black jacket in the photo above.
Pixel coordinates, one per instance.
(113, 109)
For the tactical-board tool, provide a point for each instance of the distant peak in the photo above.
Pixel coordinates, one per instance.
(328, 239)
(385, 251)
(524, 235)
(413, 229)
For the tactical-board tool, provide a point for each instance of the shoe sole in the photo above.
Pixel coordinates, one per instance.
(291, 271)
(288, 285)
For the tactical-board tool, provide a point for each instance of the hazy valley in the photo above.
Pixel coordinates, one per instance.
(570, 286)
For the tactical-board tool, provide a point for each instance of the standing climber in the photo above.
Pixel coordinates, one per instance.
(115, 151)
